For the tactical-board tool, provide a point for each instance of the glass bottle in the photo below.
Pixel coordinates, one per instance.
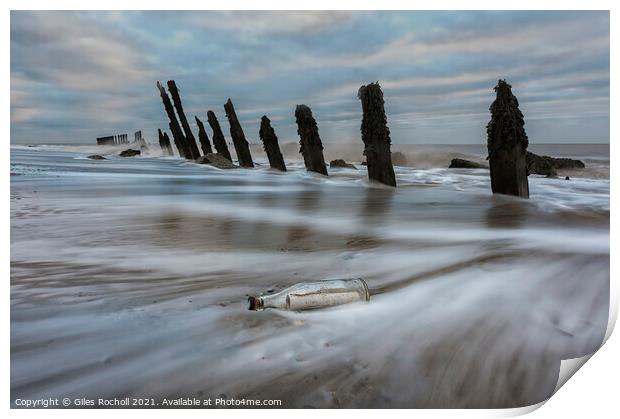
(312, 295)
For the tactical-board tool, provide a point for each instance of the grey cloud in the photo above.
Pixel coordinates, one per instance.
(272, 22)
(72, 51)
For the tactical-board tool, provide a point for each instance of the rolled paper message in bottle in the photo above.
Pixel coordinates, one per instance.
(313, 295)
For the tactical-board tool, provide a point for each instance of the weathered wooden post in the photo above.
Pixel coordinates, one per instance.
(164, 143)
(507, 144)
(376, 135)
(168, 145)
(137, 138)
(311, 147)
(203, 137)
(238, 137)
(175, 128)
(219, 142)
(189, 136)
(270, 144)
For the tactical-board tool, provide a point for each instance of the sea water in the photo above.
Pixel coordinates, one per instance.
(130, 278)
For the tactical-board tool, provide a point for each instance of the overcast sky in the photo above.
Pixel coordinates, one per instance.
(79, 75)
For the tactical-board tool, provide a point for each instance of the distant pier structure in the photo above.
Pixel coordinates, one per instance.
(120, 139)
(109, 140)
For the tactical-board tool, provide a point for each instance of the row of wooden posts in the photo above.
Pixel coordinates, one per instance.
(506, 139)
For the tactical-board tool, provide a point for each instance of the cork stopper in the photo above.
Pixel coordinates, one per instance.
(255, 303)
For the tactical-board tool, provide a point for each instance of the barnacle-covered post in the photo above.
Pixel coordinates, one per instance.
(175, 128)
(205, 144)
(376, 135)
(236, 132)
(189, 136)
(310, 144)
(219, 142)
(507, 144)
(270, 144)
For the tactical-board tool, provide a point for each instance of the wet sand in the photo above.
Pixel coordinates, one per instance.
(130, 279)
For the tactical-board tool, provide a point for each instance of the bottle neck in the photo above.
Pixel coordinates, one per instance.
(277, 300)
